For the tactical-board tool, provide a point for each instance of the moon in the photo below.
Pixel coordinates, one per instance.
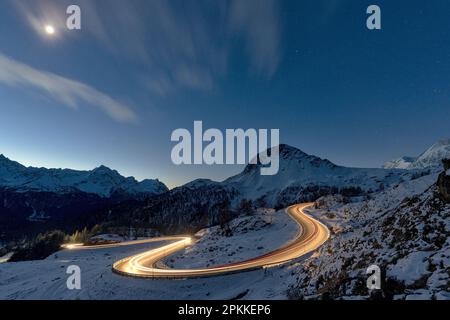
(50, 29)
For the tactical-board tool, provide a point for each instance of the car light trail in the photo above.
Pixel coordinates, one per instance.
(313, 235)
(145, 265)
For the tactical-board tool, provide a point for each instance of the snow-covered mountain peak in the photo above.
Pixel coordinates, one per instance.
(6, 160)
(293, 162)
(9, 167)
(102, 181)
(103, 168)
(288, 152)
(299, 171)
(104, 171)
(432, 157)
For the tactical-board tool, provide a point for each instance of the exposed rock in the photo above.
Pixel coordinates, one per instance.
(443, 182)
(446, 163)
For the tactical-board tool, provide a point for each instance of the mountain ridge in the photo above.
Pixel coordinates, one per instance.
(102, 180)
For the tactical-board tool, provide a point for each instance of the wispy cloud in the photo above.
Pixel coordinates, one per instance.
(69, 92)
(180, 44)
(258, 22)
(177, 44)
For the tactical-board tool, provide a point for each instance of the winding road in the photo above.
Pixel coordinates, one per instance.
(146, 265)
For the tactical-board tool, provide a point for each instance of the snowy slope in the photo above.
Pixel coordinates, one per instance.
(405, 230)
(253, 235)
(101, 181)
(400, 163)
(431, 158)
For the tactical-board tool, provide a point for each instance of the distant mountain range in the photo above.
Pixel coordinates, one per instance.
(430, 158)
(101, 181)
(297, 169)
(35, 200)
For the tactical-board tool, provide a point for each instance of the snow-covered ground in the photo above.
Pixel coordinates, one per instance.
(405, 229)
(252, 236)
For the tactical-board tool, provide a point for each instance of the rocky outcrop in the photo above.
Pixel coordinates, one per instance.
(443, 182)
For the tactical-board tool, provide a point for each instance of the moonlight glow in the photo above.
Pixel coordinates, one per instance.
(50, 29)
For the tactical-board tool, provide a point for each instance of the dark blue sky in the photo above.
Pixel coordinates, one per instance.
(113, 92)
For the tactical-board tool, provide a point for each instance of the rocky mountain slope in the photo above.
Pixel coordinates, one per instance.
(405, 230)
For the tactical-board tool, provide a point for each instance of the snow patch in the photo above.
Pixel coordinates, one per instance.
(411, 268)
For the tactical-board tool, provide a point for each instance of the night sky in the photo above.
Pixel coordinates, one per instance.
(113, 92)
